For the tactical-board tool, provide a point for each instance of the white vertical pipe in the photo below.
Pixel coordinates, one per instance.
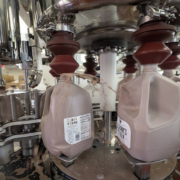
(108, 76)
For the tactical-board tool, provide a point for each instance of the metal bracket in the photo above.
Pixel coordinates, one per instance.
(137, 162)
(141, 168)
(149, 12)
(65, 161)
(18, 137)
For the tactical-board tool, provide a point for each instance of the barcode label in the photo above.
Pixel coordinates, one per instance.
(77, 137)
(77, 129)
(124, 132)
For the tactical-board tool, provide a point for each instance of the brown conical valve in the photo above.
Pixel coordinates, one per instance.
(53, 73)
(90, 65)
(173, 61)
(63, 44)
(152, 36)
(63, 48)
(50, 59)
(64, 64)
(130, 64)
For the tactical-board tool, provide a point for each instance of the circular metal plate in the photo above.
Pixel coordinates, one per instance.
(104, 23)
(122, 33)
(108, 161)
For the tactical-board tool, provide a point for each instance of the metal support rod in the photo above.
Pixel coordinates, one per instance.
(124, 75)
(36, 103)
(27, 103)
(143, 171)
(139, 69)
(107, 125)
(27, 146)
(26, 79)
(2, 82)
(27, 94)
(13, 107)
(1, 77)
(9, 131)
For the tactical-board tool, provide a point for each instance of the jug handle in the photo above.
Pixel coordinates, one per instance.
(144, 104)
(47, 101)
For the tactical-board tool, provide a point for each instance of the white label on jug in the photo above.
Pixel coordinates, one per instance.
(77, 129)
(124, 132)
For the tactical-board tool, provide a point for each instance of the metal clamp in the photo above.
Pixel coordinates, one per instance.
(62, 23)
(65, 27)
(149, 12)
(141, 168)
(65, 161)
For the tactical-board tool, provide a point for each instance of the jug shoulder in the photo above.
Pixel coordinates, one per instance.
(69, 88)
(149, 78)
(146, 98)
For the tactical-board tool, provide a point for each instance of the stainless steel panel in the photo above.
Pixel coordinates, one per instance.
(14, 27)
(79, 5)
(13, 107)
(3, 25)
(35, 13)
(34, 41)
(71, 6)
(109, 22)
(9, 27)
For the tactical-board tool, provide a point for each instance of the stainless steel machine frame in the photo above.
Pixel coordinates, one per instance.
(10, 29)
(97, 21)
(13, 51)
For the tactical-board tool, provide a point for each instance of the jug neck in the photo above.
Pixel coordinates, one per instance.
(149, 68)
(168, 73)
(129, 75)
(65, 79)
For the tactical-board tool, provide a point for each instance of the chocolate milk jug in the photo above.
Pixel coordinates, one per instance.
(148, 125)
(128, 78)
(172, 62)
(129, 69)
(67, 123)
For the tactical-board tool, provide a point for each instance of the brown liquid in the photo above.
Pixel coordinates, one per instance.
(150, 105)
(65, 100)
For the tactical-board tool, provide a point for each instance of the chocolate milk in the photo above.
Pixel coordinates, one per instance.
(149, 116)
(128, 78)
(67, 123)
(130, 70)
(149, 105)
(172, 62)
